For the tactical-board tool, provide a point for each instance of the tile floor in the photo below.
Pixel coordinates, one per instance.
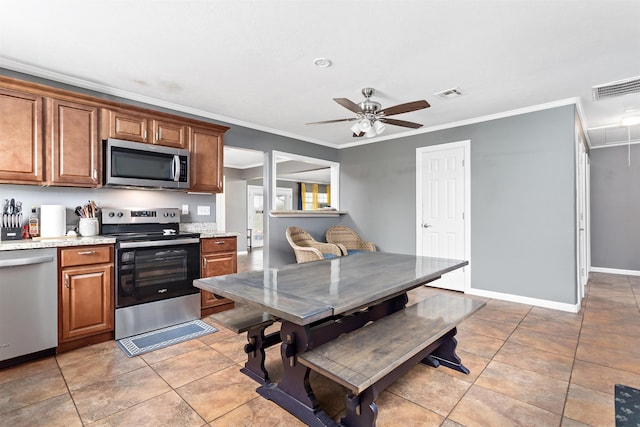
(529, 367)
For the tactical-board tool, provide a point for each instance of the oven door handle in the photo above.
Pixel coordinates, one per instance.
(155, 243)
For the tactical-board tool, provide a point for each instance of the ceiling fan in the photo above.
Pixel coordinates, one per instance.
(371, 117)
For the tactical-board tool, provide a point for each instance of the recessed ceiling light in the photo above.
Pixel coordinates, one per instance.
(322, 62)
(631, 121)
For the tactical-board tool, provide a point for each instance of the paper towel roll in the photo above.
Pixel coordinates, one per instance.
(53, 220)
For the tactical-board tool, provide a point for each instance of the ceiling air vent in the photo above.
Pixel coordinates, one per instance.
(619, 88)
(449, 93)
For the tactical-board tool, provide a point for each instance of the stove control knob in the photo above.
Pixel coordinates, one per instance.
(173, 214)
(111, 214)
(166, 214)
(120, 214)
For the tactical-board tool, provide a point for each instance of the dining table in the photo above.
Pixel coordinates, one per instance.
(318, 301)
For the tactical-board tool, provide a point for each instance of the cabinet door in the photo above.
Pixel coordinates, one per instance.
(206, 146)
(170, 134)
(123, 125)
(217, 265)
(73, 152)
(21, 137)
(86, 301)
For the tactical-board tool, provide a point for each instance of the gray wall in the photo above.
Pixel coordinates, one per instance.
(522, 200)
(615, 208)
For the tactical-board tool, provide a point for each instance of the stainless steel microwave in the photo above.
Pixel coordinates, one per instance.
(134, 164)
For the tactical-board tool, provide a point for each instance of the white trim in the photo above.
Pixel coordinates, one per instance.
(572, 308)
(466, 146)
(481, 119)
(615, 271)
(617, 144)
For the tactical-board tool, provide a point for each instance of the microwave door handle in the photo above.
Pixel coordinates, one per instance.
(176, 167)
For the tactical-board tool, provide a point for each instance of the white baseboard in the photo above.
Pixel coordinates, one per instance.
(615, 271)
(571, 308)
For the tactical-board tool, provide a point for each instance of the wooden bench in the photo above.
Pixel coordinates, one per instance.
(254, 322)
(369, 359)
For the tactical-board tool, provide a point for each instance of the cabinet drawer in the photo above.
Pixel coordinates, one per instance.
(85, 255)
(221, 244)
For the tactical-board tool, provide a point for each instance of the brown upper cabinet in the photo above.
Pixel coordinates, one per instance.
(132, 126)
(21, 143)
(73, 148)
(206, 147)
(51, 136)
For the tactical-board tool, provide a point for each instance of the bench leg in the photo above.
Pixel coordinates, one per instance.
(361, 410)
(446, 355)
(257, 342)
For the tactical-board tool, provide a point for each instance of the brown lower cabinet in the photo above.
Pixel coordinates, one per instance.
(85, 296)
(218, 256)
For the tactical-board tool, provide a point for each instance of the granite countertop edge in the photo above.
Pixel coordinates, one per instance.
(11, 245)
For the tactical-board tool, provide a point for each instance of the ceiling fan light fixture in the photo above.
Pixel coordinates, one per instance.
(370, 133)
(356, 128)
(379, 127)
(365, 125)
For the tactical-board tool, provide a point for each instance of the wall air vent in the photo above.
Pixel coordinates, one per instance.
(449, 93)
(619, 88)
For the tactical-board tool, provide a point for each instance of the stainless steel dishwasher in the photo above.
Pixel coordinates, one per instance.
(28, 304)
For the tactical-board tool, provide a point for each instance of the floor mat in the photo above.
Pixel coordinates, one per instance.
(627, 402)
(164, 337)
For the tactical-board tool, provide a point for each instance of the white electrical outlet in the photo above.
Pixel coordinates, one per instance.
(204, 210)
(185, 209)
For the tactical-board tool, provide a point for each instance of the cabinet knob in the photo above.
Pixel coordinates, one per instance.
(66, 281)
(86, 253)
(204, 263)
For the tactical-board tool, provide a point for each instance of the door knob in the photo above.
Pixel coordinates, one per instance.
(426, 225)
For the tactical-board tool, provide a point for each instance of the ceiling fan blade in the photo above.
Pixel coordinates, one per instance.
(358, 135)
(403, 123)
(349, 105)
(405, 108)
(331, 121)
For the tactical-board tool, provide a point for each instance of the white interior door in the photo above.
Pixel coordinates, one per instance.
(581, 190)
(443, 208)
(255, 215)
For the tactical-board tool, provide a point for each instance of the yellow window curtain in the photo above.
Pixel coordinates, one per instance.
(314, 189)
(303, 195)
(328, 194)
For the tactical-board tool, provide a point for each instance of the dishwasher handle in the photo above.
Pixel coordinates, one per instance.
(25, 261)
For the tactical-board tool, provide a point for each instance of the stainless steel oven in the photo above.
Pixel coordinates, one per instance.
(154, 269)
(148, 271)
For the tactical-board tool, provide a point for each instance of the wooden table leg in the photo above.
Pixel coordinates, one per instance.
(446, 354)
(256, 343)
(294, 392)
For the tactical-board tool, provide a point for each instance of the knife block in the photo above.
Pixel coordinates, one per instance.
(10, 233)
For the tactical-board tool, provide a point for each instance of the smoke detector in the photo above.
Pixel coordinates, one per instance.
(617, 88)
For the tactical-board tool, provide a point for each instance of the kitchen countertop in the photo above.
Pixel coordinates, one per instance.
(10, 245)
(206, 230)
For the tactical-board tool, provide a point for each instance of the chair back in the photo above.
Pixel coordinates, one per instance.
(306, 248)
(339, 234)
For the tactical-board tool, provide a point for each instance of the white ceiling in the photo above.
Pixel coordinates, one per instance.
(251, 62)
